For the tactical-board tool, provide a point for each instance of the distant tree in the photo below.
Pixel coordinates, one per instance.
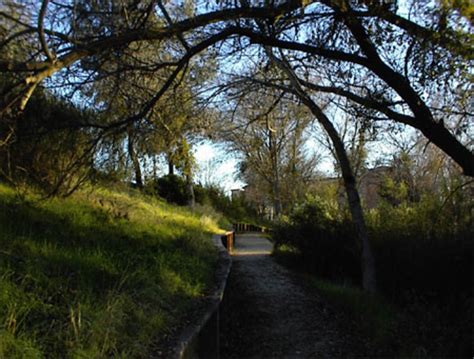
(269, 131)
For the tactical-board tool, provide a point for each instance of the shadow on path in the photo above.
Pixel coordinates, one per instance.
(269, 311)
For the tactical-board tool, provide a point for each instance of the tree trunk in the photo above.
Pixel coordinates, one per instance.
(367, 259)
(170, 166)
(154, 168)
(276, 198)
(134, 159)
(276, 172)
(190, 190)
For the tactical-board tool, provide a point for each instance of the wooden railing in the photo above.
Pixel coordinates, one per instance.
(247, 227)
(228, 240)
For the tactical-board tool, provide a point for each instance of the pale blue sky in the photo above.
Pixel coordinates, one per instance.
(217, 166)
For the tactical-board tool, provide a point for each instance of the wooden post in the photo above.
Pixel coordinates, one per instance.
(230, 244)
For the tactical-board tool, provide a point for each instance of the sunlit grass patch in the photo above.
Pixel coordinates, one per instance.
(102, 273)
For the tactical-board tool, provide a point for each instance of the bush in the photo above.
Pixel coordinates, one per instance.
(417, 246)
(172, 188)
(325, 243)
(423, 252)
(48, 148)
(236, 210)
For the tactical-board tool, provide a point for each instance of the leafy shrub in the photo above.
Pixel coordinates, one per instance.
(236, 210)
(47, 147)
(423, 252)
(421, 246)
(172, 188)
(325, 243)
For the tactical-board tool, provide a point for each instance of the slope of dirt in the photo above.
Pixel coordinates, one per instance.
(269, 311)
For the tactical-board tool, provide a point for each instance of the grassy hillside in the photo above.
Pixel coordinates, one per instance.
(102, 273)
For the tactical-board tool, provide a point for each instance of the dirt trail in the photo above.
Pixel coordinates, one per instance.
(269, 311)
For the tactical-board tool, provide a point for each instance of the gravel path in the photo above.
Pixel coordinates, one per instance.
(269, 311)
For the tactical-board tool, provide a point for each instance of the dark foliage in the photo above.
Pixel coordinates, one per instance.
(236, 209)
(325, 244)
(424, 267)
(46, 146)
(172, 188)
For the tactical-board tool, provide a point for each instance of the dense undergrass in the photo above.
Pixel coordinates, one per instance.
(102, 273)
(423, 259)
(374, 317)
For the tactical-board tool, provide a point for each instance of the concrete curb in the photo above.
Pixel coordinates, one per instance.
(201, 339)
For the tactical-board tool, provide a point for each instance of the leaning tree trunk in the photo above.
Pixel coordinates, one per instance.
(367, 259)
(134, 159)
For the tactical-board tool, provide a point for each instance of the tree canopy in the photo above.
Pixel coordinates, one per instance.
(405, 61)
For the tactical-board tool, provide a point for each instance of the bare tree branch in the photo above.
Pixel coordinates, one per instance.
(44, 45)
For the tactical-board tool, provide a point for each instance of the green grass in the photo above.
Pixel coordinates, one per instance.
(412, 325)
(103, 273)
(375, 318)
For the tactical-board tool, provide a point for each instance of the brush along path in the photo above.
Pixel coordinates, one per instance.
(269, 311)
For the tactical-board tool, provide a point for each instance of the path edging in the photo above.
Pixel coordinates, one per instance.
(205, 330)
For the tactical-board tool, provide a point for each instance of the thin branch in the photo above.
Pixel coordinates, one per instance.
(170, 22)
(44, 45)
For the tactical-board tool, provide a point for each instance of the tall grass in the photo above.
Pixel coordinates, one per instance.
(424, 272)
(375, 317)
(102, 273)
